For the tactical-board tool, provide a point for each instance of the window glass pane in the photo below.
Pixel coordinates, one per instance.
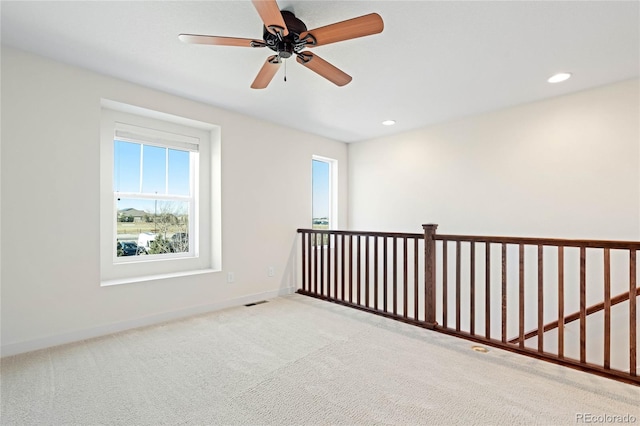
(320, 194)
(152, 227)
(154, 169)
(178, 172)
(126, 166)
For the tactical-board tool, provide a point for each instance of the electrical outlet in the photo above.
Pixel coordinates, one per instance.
(231, 277)
(271, 271)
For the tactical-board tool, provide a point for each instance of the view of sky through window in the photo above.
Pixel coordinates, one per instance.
(164, 171)
(320, 192)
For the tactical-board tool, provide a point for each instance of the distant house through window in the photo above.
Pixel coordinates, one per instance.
(323, 193)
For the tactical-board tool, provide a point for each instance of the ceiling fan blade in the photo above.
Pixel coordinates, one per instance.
(324, 68)
(270, 14)
(268, 70)
(345, 30)
(220, 41)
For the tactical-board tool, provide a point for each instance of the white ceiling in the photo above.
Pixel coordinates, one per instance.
(434, 61)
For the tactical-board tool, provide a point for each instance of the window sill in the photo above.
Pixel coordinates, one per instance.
(147, 278)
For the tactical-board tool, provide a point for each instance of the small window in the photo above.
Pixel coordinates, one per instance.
(323, 194)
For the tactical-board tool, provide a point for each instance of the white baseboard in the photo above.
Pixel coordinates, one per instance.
(102, 330)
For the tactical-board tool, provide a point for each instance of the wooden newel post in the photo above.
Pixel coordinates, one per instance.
(430, 274)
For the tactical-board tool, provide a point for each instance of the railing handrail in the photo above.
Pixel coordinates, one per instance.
(622, 297)
(557, 242)
(362, 233)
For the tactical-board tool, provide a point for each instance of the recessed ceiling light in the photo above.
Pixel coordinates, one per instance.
(389, 122)
(480, 349)
(561, 76)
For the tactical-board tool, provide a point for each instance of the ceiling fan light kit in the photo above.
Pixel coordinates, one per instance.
(287, 35)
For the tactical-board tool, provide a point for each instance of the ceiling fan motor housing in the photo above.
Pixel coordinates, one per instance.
(286, 46)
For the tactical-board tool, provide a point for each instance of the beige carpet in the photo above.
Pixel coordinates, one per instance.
(296, 360)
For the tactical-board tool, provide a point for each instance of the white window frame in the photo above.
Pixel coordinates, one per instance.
(138, 125)
(333, 189)
(152, 137)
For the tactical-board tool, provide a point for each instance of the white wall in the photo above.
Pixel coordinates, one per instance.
(567, 167)
(51, 289)
(564, 167)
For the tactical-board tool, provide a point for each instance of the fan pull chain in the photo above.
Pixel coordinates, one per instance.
(285, 70)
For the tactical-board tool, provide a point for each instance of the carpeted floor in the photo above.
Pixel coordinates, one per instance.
(297, 360)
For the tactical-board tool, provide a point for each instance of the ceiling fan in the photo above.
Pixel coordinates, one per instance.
(287, 36)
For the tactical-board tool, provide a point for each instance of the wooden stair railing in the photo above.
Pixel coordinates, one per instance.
(576, 316)
(421, 280)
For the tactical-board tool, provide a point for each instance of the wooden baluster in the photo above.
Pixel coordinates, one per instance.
(633, 334)
(358, 271)
(315, 263)
(521, 296)
(487, 290)
(321, 248)
(342, 266)
(583, 305)
(366, 271)
(384, 274)
(395, 275)
(335, 266)
(415, 278)
(304, 261)
(560, 302)
(329, 265)
(458, 286)
(350, 268)
(504, 293)
(472, 288)
(310, 260)
(607, 308)
(540, 300)
(376, 273)
(405, 279)
(445, 284)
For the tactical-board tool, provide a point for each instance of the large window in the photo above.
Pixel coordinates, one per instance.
(160, 195)
(323, 197)
(154, 183)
